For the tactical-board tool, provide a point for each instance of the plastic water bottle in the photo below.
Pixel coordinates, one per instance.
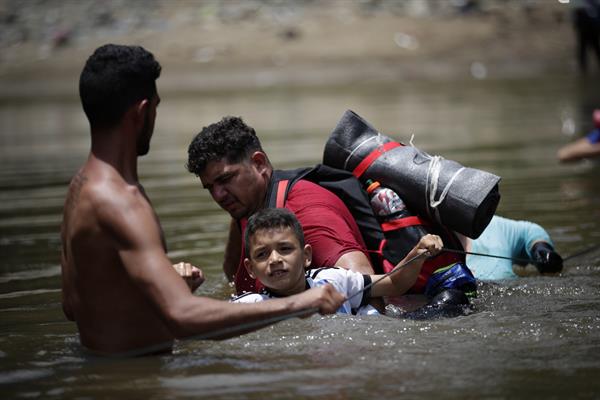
(389, 208)
(385, 202)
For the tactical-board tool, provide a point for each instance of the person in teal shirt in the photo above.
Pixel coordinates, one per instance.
(516, 240)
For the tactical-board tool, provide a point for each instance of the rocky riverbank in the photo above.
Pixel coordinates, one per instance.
(231, 45)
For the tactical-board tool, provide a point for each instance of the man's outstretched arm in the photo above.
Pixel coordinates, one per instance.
(186, 315)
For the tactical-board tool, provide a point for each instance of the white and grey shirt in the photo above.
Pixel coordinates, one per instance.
(344, 281)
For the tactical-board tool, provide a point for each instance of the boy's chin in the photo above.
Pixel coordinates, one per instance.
(284, 284)
(280, 288)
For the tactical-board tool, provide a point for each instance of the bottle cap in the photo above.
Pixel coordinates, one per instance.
(372, 186)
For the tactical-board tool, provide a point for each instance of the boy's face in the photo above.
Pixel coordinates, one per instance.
(277, 260)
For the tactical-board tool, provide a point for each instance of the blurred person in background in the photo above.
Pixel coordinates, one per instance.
(586, 20)
(585, 147)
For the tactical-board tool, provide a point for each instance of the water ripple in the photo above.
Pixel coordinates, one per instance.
(22, 375)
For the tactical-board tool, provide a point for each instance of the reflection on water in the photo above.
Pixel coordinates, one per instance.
(533, 336)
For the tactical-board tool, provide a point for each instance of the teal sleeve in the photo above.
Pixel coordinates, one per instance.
(507, 238)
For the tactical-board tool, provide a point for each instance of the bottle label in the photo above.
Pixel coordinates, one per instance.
(386, 202)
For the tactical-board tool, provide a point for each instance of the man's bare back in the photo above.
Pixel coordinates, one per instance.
(97, 199)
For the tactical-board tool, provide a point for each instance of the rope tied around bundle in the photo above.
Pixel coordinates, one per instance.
(433, 178)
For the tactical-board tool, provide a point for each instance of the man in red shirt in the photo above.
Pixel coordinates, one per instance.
(228, 158)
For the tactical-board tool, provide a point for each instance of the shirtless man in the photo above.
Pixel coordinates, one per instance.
(117, 283)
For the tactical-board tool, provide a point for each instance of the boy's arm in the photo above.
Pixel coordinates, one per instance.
(405, 276)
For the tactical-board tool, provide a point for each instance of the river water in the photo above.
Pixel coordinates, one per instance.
(531, 337)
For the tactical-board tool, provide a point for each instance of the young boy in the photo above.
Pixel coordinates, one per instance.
(279, 258)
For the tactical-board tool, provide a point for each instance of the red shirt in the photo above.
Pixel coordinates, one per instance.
(328, 227)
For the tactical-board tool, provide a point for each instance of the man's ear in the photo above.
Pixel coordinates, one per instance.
(249, 268)
(140, 112)
(260, 161)
(307, 256)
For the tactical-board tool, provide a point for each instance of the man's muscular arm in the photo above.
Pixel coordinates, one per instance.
(138, 238)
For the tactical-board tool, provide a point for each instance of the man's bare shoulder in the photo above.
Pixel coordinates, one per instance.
(104, 197)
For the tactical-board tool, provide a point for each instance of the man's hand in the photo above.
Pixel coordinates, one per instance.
(546, 259)
(325, 298)
(194, 277)
(431, 244)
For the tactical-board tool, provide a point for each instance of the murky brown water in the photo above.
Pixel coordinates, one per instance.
(533, 337)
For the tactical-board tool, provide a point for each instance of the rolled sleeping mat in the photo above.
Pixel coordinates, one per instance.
(460, 198)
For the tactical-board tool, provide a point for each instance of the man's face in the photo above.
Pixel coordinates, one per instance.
(239, 188)
(143, 144)
(277, 260)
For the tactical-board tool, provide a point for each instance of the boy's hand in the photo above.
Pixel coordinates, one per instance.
(193, 276)
(431, 244)
(324, 297)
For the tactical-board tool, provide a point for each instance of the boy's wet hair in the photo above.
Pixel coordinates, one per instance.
(113, 79)
(272, 218)
(230, 139)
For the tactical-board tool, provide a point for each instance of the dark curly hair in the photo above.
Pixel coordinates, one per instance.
(114, 78)
(230, 139)
(272, 218)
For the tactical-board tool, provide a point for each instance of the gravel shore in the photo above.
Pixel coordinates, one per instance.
(237, 45)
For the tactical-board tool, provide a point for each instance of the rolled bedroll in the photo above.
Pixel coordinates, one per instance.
(460, 198)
